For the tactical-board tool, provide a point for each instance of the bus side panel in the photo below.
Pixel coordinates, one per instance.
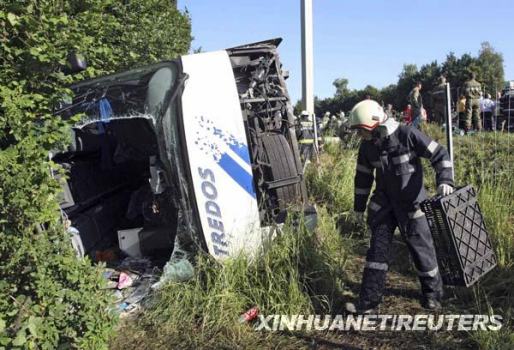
(219, 156)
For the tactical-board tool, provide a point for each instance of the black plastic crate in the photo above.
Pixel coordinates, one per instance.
(464, 250)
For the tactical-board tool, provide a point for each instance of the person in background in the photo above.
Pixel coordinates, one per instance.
(498, 112)
(306, 136)
(416, 101)
(488, 107)
(335, 123)
(461, 112)
(439, 101)
(325, 122)
(407, 115)
(472, 91)
(507, 107)
(389, 111)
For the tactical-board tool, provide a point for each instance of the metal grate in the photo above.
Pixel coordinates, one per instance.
(464, 250)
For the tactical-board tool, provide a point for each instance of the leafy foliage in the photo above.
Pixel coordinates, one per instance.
(48, 298)
(490, 68)
(488, 65)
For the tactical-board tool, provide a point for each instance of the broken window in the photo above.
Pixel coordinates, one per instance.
(123, 189)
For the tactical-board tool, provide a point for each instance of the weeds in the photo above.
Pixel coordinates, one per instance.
(305, 272)
(297, 275)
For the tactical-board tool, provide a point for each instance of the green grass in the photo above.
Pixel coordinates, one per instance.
(297, 275)
(306, 272)
(486, 161)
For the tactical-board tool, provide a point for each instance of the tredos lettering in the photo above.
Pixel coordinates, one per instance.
(213, 211)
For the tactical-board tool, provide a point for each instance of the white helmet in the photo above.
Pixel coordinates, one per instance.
(367, 114)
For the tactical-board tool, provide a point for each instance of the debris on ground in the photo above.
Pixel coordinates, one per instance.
(176, 271)
(249, 315)
(130, 282)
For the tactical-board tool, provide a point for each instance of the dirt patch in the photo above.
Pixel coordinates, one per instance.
(401, 296)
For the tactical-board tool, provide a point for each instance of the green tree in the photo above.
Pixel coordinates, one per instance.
(389, 95)
(488, 65)
(490, 68)
(341, 86)
(406, 80)
(457, 71)
(48, 298)
(369, 91)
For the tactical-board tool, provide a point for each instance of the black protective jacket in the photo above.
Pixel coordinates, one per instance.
(394, 162)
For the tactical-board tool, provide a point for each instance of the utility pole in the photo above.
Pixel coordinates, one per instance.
(307, 57)
(449, 127)
(307, 65)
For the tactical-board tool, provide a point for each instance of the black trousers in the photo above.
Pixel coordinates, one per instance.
(488, 120)
(462, 120)
(421, 247)
(306, 150)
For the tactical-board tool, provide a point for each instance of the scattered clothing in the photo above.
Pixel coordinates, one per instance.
(125, 281)
(130, 283)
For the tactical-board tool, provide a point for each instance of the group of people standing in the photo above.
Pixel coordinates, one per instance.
(488, 111)
(475, 113)
(330, 126)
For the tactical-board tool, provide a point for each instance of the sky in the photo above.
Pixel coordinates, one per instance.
(364, 41)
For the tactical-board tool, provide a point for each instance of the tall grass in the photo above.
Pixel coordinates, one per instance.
(297, 275)
(302, 271)
(486, 162)
(331, 181)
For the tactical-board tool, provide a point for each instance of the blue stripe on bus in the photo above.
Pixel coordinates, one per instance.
(237, 173)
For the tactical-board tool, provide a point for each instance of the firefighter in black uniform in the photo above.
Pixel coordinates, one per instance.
(390, 154)
(306, 136)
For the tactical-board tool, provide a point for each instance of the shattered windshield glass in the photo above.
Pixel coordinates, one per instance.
(142, 95)
(140, 92)
(131, 116)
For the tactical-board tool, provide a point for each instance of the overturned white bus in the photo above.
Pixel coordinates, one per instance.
(199, 151)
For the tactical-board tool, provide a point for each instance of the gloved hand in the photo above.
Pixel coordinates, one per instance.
(359, 218)
(444, 189)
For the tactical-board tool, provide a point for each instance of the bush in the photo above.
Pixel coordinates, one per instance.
(48, 298)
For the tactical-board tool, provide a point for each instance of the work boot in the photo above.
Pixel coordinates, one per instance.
(431, 303)
(359, 309)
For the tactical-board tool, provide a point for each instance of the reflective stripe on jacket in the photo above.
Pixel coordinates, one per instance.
(395, 164)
